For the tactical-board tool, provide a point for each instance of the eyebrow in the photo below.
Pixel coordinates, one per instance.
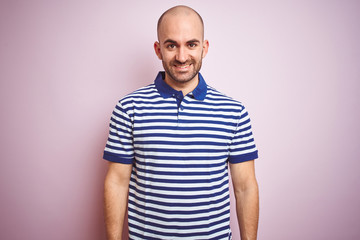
(174, 42)
(193, 41)
(169, 41)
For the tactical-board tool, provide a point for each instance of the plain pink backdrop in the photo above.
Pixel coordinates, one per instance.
(65, 64)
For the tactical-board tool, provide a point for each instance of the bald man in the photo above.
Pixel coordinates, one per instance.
(170, 144)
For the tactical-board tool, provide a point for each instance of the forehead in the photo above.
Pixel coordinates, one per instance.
(180, 27)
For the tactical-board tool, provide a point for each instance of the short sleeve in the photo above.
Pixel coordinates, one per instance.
(119, 145)
(242, 146)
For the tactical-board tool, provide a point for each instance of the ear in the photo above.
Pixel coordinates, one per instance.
(157, 50)
(205, 48)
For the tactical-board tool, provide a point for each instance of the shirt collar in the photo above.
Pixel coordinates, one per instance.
(166, 91)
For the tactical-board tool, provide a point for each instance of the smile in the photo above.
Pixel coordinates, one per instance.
(183, 66)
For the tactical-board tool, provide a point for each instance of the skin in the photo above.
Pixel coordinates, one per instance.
(181, 48)
(116, 190)
(247, 198)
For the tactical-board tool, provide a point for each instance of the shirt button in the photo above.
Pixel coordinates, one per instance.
(181, 108)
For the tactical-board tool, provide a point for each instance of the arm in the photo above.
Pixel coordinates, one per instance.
(116, 198)
(247, 198)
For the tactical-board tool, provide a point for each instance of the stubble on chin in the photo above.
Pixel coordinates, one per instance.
(183, 79)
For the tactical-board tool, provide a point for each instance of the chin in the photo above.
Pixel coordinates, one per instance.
(181, 77)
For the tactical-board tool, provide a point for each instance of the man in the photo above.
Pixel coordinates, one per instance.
(170, 145)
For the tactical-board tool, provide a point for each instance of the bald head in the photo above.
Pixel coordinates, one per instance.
(179, 11)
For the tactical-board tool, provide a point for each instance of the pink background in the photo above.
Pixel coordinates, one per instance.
(64, 65)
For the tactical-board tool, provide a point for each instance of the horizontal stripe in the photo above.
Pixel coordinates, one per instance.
(180, 208)
(152, 178)
(182, 187)
(165, 205)
(177, 215)
(175, 199)
(215, 234)
(182, 163)
(184, 191)
(168, 224)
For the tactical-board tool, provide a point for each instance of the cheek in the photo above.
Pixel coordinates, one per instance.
(198, 56)
(167, 57)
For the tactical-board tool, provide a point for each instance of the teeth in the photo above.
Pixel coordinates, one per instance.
(183, 66)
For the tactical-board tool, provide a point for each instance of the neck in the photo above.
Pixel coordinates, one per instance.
(185, 87)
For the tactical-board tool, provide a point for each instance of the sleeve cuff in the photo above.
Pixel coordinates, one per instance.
(244, 158)
(117, 159)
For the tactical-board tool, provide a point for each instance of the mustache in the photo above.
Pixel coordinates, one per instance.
(187, 62)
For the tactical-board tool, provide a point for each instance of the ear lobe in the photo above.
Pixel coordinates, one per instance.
(157, 50)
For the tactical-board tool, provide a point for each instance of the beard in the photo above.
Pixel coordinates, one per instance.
(182, 77)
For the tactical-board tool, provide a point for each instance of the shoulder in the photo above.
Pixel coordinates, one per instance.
(141, 93)
(222, 99)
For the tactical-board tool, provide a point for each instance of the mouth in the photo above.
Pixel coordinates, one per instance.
(182, 67)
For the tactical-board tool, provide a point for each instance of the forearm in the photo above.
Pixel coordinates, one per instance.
(115, 206)
(247, 208)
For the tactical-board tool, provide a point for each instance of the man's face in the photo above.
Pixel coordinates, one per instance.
(181, 47)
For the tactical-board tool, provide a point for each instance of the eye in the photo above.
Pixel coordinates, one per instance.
(192, 45)
(171, 46)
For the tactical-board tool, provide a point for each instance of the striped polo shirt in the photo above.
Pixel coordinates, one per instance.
(180, 147)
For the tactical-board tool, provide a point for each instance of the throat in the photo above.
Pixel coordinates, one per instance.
(184, 86)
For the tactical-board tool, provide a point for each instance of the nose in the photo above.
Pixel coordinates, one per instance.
(181, 55)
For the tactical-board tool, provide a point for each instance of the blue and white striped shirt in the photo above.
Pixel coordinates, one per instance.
(180, 147)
